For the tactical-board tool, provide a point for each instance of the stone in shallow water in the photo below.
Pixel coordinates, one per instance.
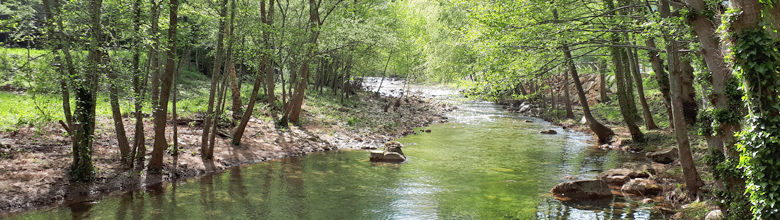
(383, 156)
(583, 189)
(548, 132)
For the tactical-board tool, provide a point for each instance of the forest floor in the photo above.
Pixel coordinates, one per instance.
(34, 160)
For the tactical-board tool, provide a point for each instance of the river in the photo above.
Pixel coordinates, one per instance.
(483, 164)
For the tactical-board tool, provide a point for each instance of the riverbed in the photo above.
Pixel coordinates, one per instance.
(483, 164)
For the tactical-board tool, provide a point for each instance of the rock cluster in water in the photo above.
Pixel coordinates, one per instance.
(392, 153)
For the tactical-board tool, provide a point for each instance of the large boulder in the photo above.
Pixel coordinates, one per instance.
(620, 176)
(583, 189)
(642, 187)
(665, 157)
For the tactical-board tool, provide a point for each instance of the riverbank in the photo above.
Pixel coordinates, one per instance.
(664, 181)
(35, 159)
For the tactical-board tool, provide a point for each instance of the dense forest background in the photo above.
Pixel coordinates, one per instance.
(698, 67)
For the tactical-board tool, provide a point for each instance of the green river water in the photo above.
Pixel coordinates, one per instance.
(484, 164)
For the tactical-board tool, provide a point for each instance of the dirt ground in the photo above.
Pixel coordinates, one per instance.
(34, 161)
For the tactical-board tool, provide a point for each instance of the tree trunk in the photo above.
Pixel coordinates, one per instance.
(239, 132)
(691, 176)
(690, 106)
(629, 83)
(218, 56)
(569, 112)
(235, 87)
(619, 56)
(661, 76)
(82, 168)
(757, 61)
(161, 111)
(604, 134)
(603, 85)
(720, 73)
(139, 88)
(154, 54)
(119, 126)
(649, 122)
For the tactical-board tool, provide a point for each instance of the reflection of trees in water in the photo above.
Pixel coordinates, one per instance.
(207, 198)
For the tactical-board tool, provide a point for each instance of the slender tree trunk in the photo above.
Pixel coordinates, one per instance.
(139, 87)
(239, 132)
(119, 126)
(629, 83)
(603, 85)
(57, 44)
(154, 54)
(235, 87)
(691, 176)
(619, 56)
(603, 132)
(662, 77)
(649, 122)
(569, 112)
(161, 111)
(268, 19)
(218, 57)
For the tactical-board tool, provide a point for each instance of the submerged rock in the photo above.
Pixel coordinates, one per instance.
(583, 189)
(548, 132)
(665, 157)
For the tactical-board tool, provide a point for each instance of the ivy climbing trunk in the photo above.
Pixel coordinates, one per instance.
(757, 64)
(86, 83)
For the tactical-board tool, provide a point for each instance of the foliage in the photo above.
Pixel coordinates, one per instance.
(757, 63)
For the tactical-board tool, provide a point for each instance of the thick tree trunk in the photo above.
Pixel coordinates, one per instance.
(649, 122)
(720, 73)
(161, 111)
(569, 112)
(82, 168)
(661, 76)
(215, 75)
(604, 134)
(618, 57)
